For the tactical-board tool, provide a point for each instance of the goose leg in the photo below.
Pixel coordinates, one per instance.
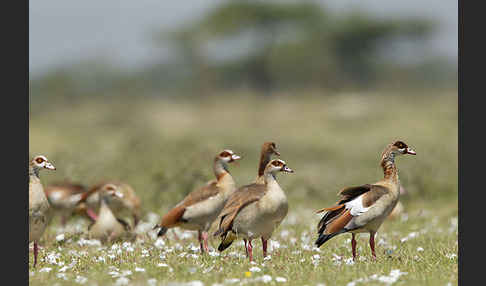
(199, 237)
(63, 220)
(264, 246)
(35, 253)
(250, 250)
(205, 240)
(91, 214)
(372, 244)
(246, 246)
(353, 245)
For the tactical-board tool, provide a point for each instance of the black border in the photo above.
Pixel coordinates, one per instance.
(15, 150)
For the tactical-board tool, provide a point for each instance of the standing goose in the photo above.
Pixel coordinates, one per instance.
(268, 149)
(127, 205)
(364, 208)
(63, 198)
(107, 226)
(39, 208)
(201, 207)
(255, 210)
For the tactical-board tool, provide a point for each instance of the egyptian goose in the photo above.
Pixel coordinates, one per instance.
(107, 226)
(364, 208)
(128, 204)
(254, 210)
(39, 209)
(201, 207)
(63, 198)
(268, 149)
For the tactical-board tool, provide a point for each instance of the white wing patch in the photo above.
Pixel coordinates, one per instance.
(356, 207)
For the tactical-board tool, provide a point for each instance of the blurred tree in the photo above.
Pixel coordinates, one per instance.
(267, 45)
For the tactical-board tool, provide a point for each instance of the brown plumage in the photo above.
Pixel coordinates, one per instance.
(254, 210)
(268, 149)
(242, 197)
(364, 208)
(128, 205)
(63, 197)
(174, 216)
(201, 207)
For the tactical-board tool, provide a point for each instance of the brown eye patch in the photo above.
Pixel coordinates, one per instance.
(277, 163)
(400, 144)
(110, 188)
(224, 154)
(39, 160)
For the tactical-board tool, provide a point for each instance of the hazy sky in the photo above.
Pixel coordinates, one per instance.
(63, 31)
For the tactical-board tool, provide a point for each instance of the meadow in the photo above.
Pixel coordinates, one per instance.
(164, 148)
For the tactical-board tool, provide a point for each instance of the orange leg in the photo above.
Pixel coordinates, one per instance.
(246, 246)
(353, 245)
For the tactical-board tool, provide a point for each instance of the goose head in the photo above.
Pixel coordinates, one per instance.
(41, 162)
(227, 156)
(270, 148)
(277, 165)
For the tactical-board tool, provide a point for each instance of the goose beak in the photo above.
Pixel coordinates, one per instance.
(411, 151)
(287, 169)
(234, 158)
(49, 166)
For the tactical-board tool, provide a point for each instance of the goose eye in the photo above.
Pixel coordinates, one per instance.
(39, 160)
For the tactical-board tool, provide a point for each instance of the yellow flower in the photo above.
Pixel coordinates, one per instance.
(248, 274)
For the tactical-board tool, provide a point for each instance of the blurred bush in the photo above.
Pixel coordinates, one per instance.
(266, 47)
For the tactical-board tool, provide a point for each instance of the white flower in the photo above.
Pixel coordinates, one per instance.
(46, 269)
(61, 276)
(90, 242)
(255, 269)
(159, 243)
(137, 269)
(451, 255)
(349, 261)
(284, 233)
(419, 249)
(281, 279)
(52, 257)
(265, 278)
(80, 279)
(121, 281)
(273, 244)
(162, 265)
(60, 237)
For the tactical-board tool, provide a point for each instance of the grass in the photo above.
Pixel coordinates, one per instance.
(164, 148)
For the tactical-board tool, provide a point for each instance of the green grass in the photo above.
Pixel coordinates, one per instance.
(164, 149)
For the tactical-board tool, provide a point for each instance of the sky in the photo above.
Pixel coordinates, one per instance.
(63, 32)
